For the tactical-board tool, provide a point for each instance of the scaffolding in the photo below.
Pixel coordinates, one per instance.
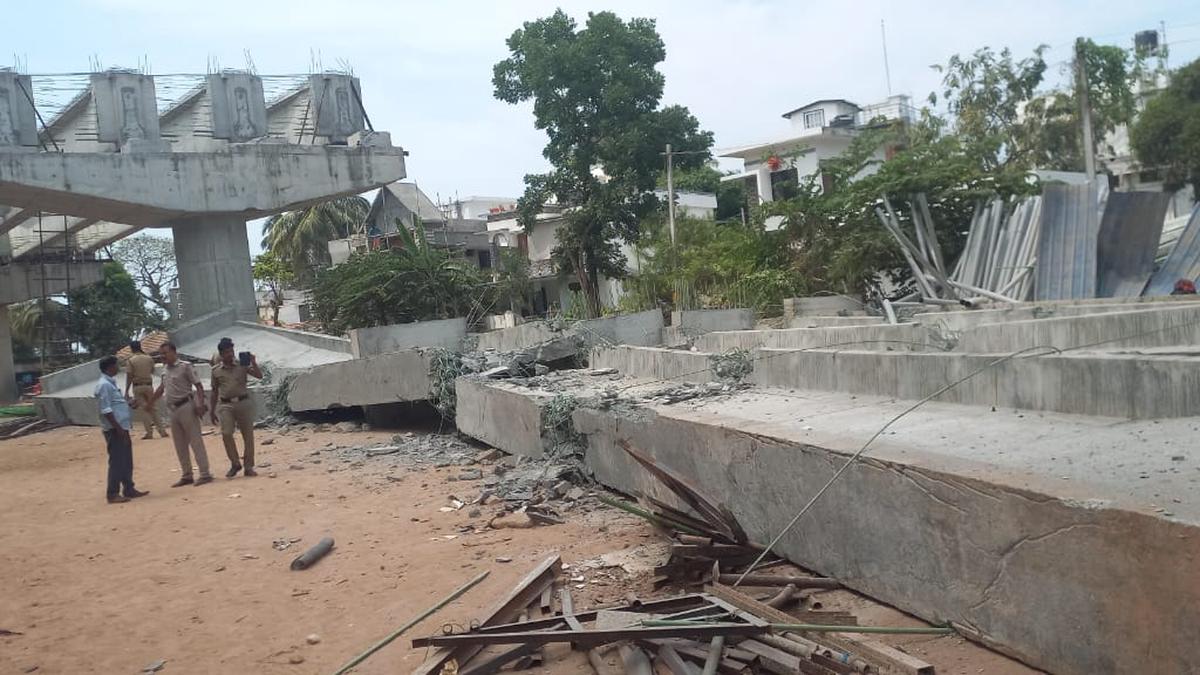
(55, 258)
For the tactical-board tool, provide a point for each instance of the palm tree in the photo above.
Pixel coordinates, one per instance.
(300, 238)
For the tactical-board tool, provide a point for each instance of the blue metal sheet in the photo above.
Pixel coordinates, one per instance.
(1066, 267)
(1129, 234)
(1182, 263)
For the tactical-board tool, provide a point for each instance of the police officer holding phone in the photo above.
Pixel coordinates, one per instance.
(231, 404)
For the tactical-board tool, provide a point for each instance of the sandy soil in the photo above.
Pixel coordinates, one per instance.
(189, 575)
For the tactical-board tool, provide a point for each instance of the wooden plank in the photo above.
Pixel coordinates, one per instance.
(507, 609)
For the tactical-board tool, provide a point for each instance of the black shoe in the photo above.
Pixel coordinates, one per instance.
(134, 494)
(233, 470)
(181, 482)
(250, 471)
(117, 499)
(203, 479)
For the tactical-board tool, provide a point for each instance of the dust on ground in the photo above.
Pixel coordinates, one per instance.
(199, 576)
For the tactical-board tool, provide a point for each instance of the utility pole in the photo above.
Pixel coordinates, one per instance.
(1085, 111)
(670, 195)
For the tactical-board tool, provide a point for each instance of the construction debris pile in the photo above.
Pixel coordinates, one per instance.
(721, 629)
(1074, 241)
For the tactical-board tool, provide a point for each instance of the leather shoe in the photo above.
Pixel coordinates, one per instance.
(181, 482)
(203, 479)
(117, 499)
(250, 471)
(136, 493)
(233, 470)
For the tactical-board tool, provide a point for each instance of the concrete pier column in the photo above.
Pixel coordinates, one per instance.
(213, 257)
(8, 374)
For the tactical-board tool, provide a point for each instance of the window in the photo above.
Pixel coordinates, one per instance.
(485, 260)
(784, 184)
(814, 119)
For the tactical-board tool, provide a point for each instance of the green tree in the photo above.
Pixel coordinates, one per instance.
(415, 282)
(596, 94)
(300, 238)
(1167, 133)
(997, 106)
(274, 276)
(512, 286)
(150, 260)
(106, 315)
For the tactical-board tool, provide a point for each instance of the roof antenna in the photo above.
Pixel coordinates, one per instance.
(887, 71)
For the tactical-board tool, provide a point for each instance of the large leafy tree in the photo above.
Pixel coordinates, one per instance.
(596, 94)
(150, 260)
(106, 315)
(1167, 133)
(300, 238)
(998, 105)
(414, 282)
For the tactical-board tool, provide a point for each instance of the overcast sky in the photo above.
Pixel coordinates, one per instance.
(426, 66)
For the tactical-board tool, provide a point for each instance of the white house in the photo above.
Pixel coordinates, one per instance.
(819, 131)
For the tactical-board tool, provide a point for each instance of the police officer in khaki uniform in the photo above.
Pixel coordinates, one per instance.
(186, 410)
(139, 373)
(231, 404)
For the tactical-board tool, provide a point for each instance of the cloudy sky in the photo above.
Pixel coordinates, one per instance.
(426, 66)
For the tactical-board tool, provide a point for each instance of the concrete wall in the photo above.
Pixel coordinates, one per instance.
(1144, 327)
(74, 376)
(446, 333)
(823, 321)
(654, 363)
(642, 328)
(1053, 580)
(821, 305)
(203, 326)
(503, 418)
(883, 337)
(962, 320)
(1086, 384)
(517, 337)
(387, 378)
(699, 321)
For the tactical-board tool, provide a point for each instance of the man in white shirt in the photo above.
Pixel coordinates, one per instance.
(116, 419)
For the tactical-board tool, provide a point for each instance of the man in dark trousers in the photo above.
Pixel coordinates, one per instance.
(116, 419)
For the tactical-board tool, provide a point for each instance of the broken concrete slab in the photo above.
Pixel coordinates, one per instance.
(982, 521)
(387, 378)
(444, 333)
(1141, 325)
(687, 325)
(905, 336)
(504, 416)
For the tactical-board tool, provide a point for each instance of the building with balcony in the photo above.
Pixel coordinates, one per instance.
(818, 132)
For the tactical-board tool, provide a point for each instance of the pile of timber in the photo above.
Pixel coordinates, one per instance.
(719, 630)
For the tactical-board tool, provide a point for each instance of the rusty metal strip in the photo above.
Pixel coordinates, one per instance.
(675, 604)
(716, 515)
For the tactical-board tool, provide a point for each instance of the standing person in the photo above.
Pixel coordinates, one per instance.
(116, 419)
(139, 373)
(178, 380)
(236, 409)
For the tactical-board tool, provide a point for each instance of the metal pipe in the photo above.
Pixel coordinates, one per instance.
(818, 627)
(772, 580)
(412, 622)
(785, 596)
(312, 555)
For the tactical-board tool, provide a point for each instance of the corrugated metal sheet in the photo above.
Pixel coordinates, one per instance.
(1066, 268)
(1183, 261)
(1128, 240)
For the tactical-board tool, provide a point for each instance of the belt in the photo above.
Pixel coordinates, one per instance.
(180, 402)
(142, 383)
(234, 399)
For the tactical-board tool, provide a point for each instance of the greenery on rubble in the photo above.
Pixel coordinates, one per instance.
(1167, 134)
(596, 92)
(444, 368)
(413, 282)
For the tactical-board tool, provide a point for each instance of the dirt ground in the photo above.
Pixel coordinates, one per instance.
(189, 575)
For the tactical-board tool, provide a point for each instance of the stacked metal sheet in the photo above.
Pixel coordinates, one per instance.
(1129, 235)
(1183, 261)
